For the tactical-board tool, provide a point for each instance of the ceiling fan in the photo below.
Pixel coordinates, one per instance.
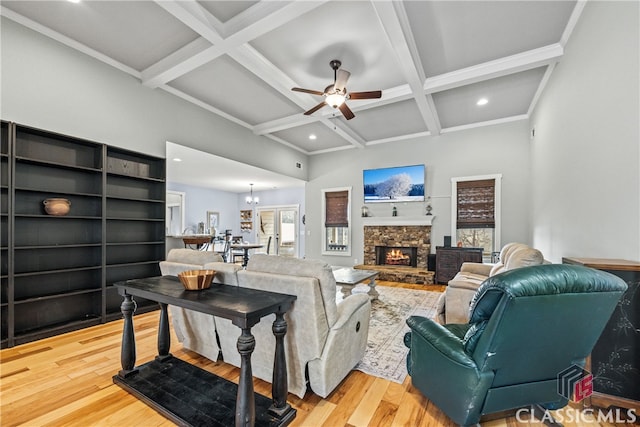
(336, 94)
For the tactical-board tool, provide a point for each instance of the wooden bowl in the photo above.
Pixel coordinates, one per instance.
(56, 206)
(196, 280)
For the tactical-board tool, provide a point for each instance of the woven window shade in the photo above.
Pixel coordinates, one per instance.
(476, 204)
(337, 209)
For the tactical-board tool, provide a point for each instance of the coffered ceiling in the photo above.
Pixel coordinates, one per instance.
(433, 60)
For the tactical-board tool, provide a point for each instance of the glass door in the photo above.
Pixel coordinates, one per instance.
(277, 230)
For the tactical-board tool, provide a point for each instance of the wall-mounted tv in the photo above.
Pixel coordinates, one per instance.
(396, 184)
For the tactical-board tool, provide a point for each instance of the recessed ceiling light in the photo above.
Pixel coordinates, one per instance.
(482, 101)
(177, 159)
(312, 136)
(73, 1)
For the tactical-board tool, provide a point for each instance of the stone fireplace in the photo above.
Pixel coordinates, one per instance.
(398, 247)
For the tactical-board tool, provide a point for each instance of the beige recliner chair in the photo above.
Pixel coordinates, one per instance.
(453, 305)
(196, 331)
(323, 337)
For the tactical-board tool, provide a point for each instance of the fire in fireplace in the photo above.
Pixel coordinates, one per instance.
(395, 255)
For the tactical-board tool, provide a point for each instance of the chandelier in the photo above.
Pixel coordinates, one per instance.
(250, 199)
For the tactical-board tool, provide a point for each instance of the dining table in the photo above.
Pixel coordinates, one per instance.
(245, 248)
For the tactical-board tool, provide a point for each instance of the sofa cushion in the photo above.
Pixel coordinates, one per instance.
(190, 256)
(505, 254)
(467, 281)
(226, 273)
(524, 257)
(302, 268)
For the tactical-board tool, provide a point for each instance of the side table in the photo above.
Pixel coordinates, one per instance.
(614, 361)
(171, 386)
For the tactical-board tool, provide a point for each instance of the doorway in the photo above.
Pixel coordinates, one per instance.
(277, 229)
(175, 213)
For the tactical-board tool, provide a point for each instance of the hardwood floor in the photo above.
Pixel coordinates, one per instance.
(66, 380)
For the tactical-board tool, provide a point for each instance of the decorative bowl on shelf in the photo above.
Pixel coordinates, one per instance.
(57, 206)
(196, 280)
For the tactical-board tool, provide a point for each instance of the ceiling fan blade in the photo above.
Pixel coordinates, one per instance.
(341, 79)
(346, 111)
(316, 108)
(366, 95)
(312, 92)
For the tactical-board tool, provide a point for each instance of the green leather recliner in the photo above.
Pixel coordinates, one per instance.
(526, 326)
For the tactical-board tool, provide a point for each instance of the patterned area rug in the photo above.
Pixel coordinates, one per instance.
(386, 353)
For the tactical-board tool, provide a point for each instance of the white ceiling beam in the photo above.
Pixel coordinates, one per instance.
(204, 105)
(486, 123)
(194, 16)
(344, 131)
(188, 58)
(288, 144)
(573, 20)
(331, 150)
(395, 23)
(235, 45)
(541, 86)
(270, 17)
(492, 69)
(254, 61)
(252, 23)
(284, 123)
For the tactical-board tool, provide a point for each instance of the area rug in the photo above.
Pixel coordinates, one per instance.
(386, 353)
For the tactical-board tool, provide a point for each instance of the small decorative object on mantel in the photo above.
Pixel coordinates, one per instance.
(394, 211)
(57, 206)
(428, 208)
(365, 211)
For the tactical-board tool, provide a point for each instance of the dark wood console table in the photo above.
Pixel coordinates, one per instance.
(449, 260)
(187, 394)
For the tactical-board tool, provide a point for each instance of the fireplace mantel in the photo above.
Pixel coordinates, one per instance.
(397, 220)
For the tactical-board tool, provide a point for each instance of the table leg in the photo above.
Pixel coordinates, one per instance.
(279, 384)
(346, 289)
(245, 402)
(128, 349)
(373, 292)
(164, 339)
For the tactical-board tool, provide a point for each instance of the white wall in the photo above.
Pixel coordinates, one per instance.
(199, 200)
(585, 154)
(53, 87)
(501, 149)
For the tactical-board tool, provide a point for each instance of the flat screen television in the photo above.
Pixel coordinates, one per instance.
(396, 184)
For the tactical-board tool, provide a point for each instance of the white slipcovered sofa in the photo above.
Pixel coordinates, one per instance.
(453, 305)
(324, 340)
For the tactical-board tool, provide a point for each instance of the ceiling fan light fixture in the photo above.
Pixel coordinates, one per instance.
(335, 100)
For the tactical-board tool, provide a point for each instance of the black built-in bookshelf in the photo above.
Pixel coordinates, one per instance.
(58, 271)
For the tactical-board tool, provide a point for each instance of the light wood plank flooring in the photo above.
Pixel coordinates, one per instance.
(66, 381)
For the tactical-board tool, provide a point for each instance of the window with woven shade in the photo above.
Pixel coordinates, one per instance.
(336, 239)
(476, 204)
(475, 212)
(337, 209)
